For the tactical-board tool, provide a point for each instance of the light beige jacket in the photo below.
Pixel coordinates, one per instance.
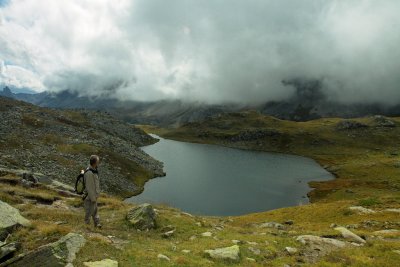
(92, 185)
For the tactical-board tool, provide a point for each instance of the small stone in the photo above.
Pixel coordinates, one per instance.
(252, 243)
(163, 257)
(207, 234)
(237, 242)
(289, 222)
(193, 237)
(186, 251)
(168, 234)
(255, 251)
(251, 259)
(396, 251)
(291, 250)
(102, 263)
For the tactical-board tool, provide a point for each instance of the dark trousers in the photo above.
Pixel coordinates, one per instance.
(91, 211)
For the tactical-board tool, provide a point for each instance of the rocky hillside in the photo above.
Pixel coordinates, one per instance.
(57, 145)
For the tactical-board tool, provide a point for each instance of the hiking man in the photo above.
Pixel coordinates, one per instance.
(92, 188)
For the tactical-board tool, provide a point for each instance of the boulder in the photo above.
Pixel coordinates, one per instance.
(350, 125)
(347, 234)
(272, 225)
(102, 263)
(312, 240)
(229, 253)
(362, 210)
(57, 254)
(382, 121)
(10, 219)
(318, 246)
(142, 217)
(7, 250)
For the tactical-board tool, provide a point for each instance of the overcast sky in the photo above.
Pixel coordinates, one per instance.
(214, 51)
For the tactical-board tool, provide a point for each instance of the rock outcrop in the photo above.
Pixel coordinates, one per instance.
(142, 217)
(347, 234)
(58, 254)
(229, 253)
(10, 219)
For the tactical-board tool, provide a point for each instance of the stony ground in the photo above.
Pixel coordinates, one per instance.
(58, 143)
(310, 235)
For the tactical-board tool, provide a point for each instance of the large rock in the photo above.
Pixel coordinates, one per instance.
(58, 254)
(7, 250)
(316, 246)
(362, 210)
(102, 263)
(142, 217)
(347, 234)
(10, 219)
(382, 121)
(229, 253)
(350, 125)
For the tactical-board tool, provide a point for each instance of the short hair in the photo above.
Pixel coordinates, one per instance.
(94, 159)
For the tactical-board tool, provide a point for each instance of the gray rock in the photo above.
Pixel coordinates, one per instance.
(57, 254)
(163, 257)
(207, 234)
(10, 219)
(387, 232)
(383, 121)
(347, 234)
(7, 250)
(291, 250)
(362, 210)
(393, 210)
(228, 253)
(255, 251)
(102, 263)
(316, 246)
(272, 225)
(350, 125)
(320, 241)
(168, 234)
(142, 217)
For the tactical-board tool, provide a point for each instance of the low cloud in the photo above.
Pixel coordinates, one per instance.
(212, 51)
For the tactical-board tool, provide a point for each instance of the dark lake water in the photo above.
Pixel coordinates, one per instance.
(214, 180)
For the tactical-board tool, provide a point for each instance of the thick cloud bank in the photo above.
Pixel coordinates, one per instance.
(213, 51)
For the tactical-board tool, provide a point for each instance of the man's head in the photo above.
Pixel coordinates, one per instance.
(94, 161)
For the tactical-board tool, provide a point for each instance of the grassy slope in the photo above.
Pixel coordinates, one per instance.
(50, 222)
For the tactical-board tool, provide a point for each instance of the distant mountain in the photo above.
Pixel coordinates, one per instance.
(307, 103)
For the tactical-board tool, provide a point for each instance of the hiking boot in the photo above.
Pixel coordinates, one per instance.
(98, 225)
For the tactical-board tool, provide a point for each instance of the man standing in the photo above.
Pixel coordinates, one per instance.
(92, 187)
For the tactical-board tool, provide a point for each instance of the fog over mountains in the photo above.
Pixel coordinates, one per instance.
(212, 52)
